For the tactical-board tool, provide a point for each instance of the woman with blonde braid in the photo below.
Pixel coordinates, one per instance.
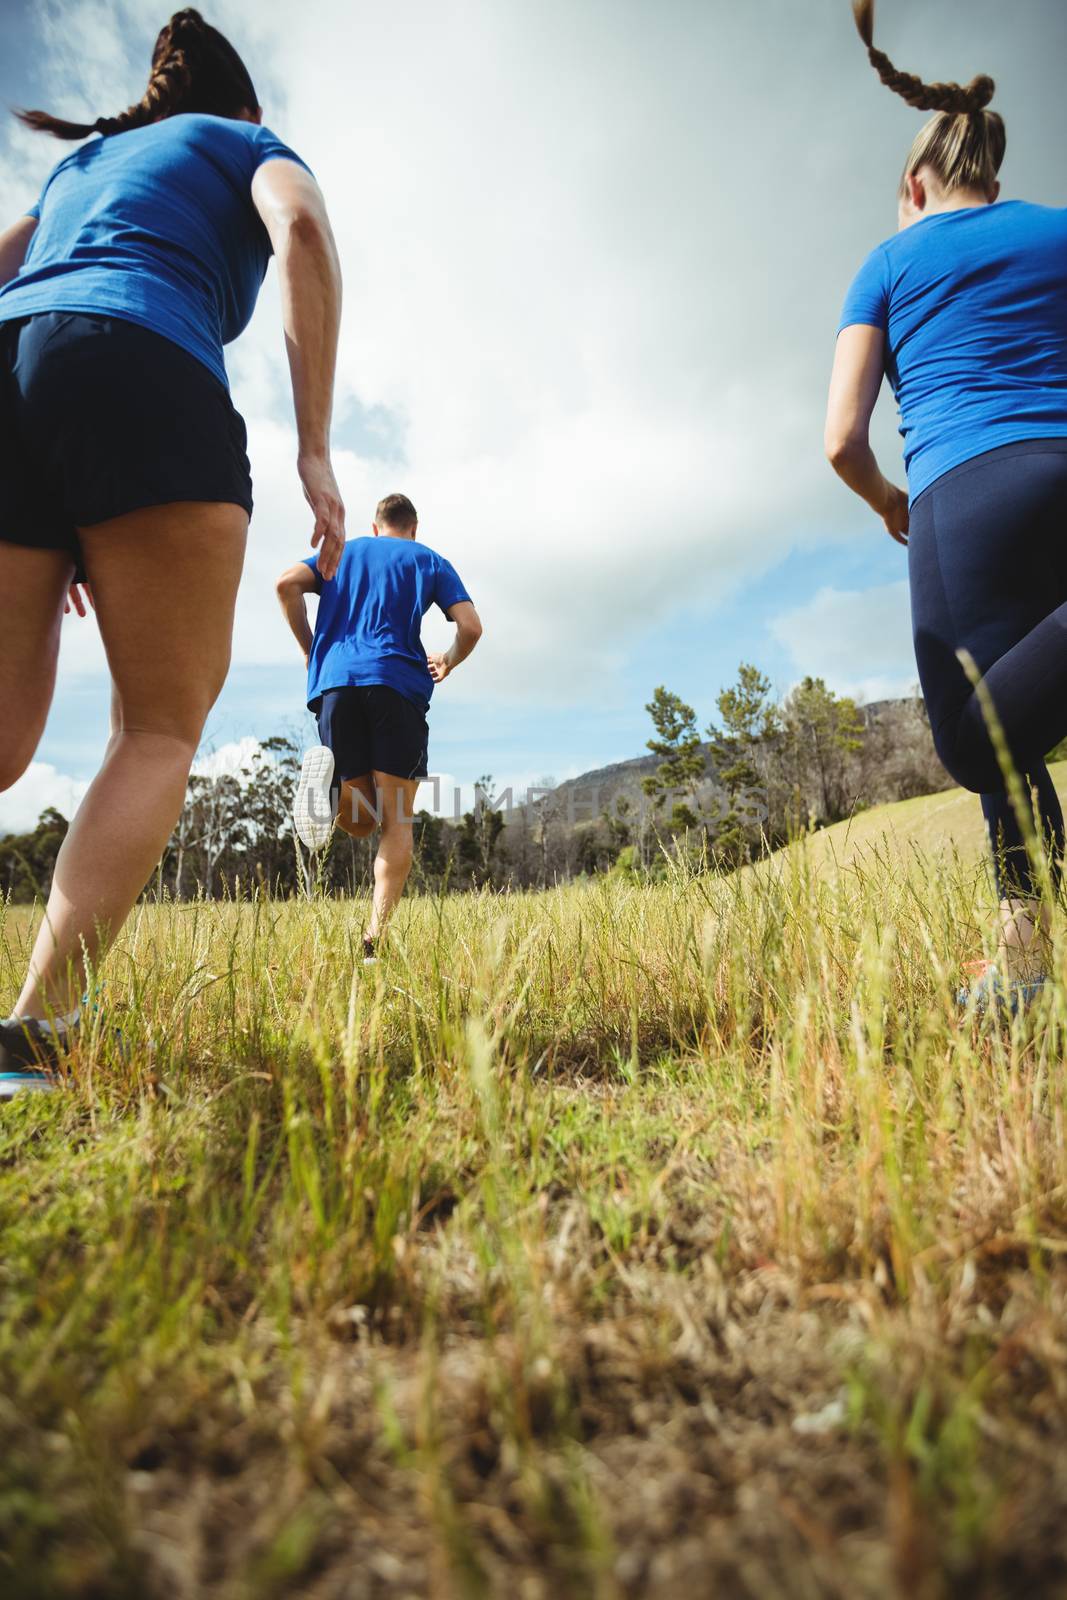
(965, 311)
(121, 456)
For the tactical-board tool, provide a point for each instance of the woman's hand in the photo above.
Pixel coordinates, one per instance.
(80, 597)
(894, 513)
(324, 498)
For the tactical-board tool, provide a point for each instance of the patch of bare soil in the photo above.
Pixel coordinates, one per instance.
(694, 1442)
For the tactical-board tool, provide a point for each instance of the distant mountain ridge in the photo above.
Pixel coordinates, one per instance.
(600, 788)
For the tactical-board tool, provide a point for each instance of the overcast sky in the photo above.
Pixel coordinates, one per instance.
(594, 252)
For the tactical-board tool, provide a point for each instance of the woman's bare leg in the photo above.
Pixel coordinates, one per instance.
(165, 582)
(33, 586)
(1025, 939)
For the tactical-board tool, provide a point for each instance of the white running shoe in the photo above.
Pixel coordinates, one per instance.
(313, 802)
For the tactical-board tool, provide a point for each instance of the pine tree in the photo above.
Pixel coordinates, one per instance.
(681, 754)
(480, 830)
(749, 720)
(822, 732)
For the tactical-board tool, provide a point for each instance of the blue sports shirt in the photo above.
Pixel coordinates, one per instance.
(155, 225)
(368, 629)
(974, 308)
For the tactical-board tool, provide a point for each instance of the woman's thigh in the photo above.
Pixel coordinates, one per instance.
(33, 585)
(165, 585)
(986, 565)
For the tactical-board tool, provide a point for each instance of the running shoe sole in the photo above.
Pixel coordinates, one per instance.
(13, 1083)
(313, 805)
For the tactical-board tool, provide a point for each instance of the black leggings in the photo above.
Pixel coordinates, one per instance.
(987, 560)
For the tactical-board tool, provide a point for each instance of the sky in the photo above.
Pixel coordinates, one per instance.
(594, 252)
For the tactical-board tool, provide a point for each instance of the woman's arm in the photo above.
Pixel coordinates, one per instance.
(294, 214)
(859, 362)
(14, 243)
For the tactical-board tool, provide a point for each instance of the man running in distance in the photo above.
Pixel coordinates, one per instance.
(369, 687)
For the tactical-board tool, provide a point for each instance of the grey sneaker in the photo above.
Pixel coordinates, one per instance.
(313, 801)
(30, 1052)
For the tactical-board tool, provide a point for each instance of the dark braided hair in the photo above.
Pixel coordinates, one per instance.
(964, 143)
(194, 68)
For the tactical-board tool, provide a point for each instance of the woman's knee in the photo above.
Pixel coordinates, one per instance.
(978, 777)
(177, 728)
(970, 762)
(177, 710)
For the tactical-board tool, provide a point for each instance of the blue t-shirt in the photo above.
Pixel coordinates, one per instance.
(974, 308)
(156, 226)
(368, 629)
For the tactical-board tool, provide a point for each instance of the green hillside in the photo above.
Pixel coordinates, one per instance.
(931, 822)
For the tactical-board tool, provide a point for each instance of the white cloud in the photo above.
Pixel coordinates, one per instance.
(593, 258)
(580, 440)
(859, 640)
(40, 786)
(561, 340)
(231, 759)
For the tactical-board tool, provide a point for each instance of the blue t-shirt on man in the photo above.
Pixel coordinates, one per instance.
(974, 307)
(156, 226)
(368, 629)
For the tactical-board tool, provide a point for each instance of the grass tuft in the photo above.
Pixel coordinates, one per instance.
(609, 1241)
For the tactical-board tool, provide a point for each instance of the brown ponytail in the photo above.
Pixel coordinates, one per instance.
(194, 68)
(959, 99)
(964, 143)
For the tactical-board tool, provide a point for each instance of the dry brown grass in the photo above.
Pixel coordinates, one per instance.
(616, 1242)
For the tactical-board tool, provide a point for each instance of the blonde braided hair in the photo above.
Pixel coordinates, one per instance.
(964, 143)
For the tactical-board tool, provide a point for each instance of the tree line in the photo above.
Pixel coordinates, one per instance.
(235, 834)
(761, 768)
(767, 768)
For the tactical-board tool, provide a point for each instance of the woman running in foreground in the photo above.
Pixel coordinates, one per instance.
(122, 458)
(965, 310)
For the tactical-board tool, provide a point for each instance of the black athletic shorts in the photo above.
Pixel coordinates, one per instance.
(373, 729)
(98, 417)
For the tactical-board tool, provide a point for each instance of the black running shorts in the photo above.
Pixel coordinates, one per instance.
(371, 728)
(99, 417)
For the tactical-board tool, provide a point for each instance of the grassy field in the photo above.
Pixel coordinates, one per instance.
(932, 824)
(612, 1242)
